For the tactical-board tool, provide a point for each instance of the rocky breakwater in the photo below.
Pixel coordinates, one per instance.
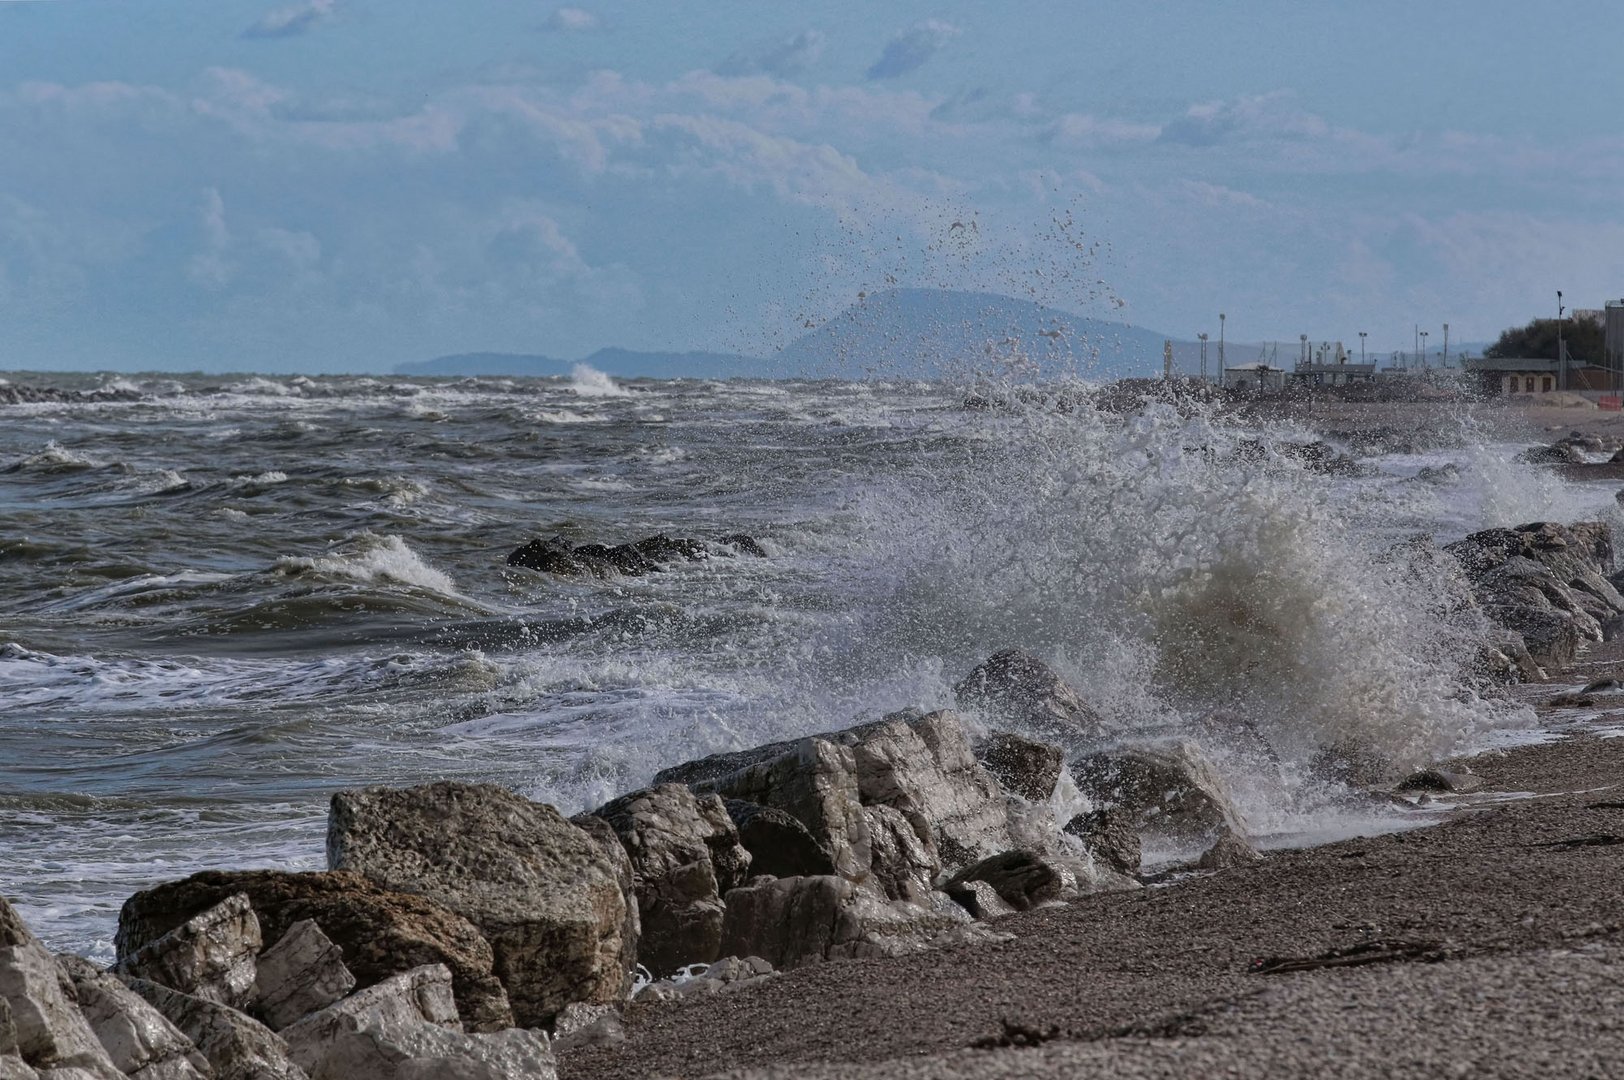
(1552, 587)
(460, 926)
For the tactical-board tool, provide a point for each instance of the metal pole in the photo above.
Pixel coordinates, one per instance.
(1361, 348)
(1561, 353)
(1424, 350)
(1223, 376)
(1444, 356)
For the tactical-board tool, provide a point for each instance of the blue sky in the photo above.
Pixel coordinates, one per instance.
(348, 184)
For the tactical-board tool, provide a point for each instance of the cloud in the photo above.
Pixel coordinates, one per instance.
(210, 266)
(571, 20)
(291, 21)
(911, 48)
(1087, 130)
(1256, 118)
(785, 56)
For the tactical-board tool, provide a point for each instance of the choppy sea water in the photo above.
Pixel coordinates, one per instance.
(221, 599)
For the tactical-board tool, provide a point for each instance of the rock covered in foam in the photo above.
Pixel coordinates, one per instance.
(685, 854)
(380, 932)
(547, 896)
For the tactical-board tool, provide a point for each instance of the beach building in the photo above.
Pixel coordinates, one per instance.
(1260, 377)
(1509, 376)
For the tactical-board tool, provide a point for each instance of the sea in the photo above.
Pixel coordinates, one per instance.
(224, 598)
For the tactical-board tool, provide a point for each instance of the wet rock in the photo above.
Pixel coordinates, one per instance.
(685, 854)
(543, 891)
(1447, 473)
(1021, 766)
(237, 1046)
(1557, 454)
(1441, 780)
(381, 932)
(304, 971)
(979, 899)
(1110, 837)
(138, 1039)
(1548, 583)
(406, 1027)
(44, 1029)
(1022, 879)
(1571, 701)
(648, 555)
(1227, 852)
(1505, 659)
(211, 955)
(1016, 687)
(790, 922)
(779, 845)
(1170, 787)
(902, 864)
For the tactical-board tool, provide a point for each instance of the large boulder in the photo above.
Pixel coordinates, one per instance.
(138, 1039)
(304, 971)
(1014, 688)
(685, 856)
(1110, 837)
(1171, 788)
(237, 1046)
(542, 890)
(919, 766)
(1547, 582)
(791, 922)
(381, 932)
(44, 1029)
(816, 782)
(211, 955)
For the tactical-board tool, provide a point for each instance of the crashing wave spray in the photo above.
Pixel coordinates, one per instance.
(1180, 579)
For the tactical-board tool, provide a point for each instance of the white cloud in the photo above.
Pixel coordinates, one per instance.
(210, 266)
(1086, 130)
(572, 20)
(291, 21)
(1260, 117)
(911, 48)
(782, 57)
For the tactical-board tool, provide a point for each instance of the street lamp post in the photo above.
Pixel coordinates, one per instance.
(1362, 348)
(1203, 338)
(1443, 354)
(1561, 353)
(1222, 375)
(1424, 334)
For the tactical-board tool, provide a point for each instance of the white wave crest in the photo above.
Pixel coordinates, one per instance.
(587, 381)
(374, 559)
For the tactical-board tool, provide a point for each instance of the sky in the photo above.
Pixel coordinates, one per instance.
(331, 185)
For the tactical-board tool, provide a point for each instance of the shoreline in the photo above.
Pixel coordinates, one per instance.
(1160, 981)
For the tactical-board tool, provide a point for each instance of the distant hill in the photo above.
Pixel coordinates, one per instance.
(898, 333)
(920, 333)
(625, 363)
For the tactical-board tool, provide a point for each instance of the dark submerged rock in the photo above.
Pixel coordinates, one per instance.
(646, 556)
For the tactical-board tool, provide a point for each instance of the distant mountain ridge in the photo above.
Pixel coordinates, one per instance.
(625, 363)
(897, 333)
